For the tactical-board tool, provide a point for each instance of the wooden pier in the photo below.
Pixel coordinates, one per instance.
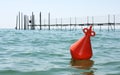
(24, 22)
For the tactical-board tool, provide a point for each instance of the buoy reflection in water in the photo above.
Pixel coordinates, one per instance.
(83, 65)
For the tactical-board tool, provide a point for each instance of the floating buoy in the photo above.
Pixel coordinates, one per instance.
(82, 49)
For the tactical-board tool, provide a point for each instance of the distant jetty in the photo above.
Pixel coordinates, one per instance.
(25, 22)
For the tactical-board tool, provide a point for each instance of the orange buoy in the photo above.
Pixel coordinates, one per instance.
(82, 49)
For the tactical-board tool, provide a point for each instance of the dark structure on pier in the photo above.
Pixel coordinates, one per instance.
(24, 22)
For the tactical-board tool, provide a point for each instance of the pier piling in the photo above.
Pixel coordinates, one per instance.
(16, 23)
(19, 20)
(49, 21)
(40, 22)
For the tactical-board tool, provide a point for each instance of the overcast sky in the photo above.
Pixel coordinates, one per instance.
(58, 8)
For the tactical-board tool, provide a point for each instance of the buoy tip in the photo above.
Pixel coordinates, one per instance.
(90, 26)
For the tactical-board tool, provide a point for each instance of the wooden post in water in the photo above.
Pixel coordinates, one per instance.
(24, 22)
(70, 23)
(75, 23)
(44, 24)
(108, 21)
(16, 22)
(27, 22)
(19, 20)
(114, 22)
(33, 22)
(93, 22)
(61, 23)
(56, 24)
(87, 20)
(49, 21)
(40, 22)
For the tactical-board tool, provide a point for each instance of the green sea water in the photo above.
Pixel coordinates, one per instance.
(46, 52)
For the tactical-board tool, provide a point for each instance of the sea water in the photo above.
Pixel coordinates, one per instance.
(46, 52)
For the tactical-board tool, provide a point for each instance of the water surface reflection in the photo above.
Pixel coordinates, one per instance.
(85, 65)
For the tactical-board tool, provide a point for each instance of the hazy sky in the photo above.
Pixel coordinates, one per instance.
(57, 8)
